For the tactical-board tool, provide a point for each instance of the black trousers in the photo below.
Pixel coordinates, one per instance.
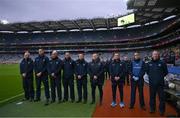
(94, 84)
(44, 80)
(120, 85)
(126, 78)
(106, 75)
(160, 90)
(134, 85)
(68, 83)
(55, 86)
(82, 86)
(28, 88)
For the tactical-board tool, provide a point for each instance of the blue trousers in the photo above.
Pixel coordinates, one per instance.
(44, 80)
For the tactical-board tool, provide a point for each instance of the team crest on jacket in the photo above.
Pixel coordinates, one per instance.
(159, 65)
(120, 64)
(84, 64)
(57, 62)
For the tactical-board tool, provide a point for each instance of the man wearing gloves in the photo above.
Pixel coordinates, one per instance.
(137, 81)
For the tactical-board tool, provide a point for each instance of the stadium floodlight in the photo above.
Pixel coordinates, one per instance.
(4, 22)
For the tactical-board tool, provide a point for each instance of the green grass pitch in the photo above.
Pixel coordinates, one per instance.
(11, 85)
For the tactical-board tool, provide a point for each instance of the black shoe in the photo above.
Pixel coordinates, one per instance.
(143, 108)
(25, 99)
(161, 113)
(92, 102)
(59, 101)
(78, 101)
(152, 111)
(52, 101)
(85, 101)
(72, 101)
(100, 103)
(131, 107)
(64, 100)
(47, 102)
(31, 100)
(37, 100)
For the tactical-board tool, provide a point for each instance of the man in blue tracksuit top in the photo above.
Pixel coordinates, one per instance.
(41, 74)
(26, 70)
(68, 77)
(117, 69)
(137, 72)
(54, 71)
(96, 71)
(157, 70)
(81, 76)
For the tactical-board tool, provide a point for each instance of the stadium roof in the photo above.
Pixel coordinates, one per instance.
(145, 11)
(79, 24)
(153, 10)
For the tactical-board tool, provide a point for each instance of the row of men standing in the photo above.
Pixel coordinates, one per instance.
(43, 67)
(156, 70)
(118, 70)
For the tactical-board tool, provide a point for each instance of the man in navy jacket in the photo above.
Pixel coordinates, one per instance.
(81, 67)
(54, 71)
(41, 74)
(68, 77)
(117, 69)
(157, 70)
(26, 70)
(96, 71)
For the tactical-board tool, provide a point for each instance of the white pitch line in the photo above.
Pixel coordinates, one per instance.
(5, 100)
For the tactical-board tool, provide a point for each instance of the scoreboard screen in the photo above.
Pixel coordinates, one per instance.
(126, 20)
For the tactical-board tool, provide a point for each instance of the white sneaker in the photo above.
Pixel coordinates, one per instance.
(121, 104)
